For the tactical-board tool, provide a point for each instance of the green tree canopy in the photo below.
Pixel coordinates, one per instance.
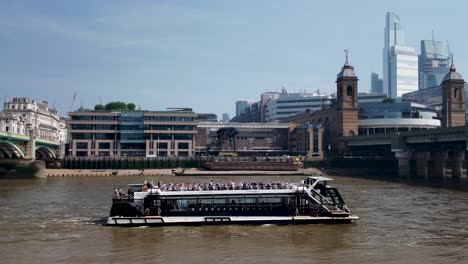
(99, 107)
(388, 100)
(131, 106)
(116, 106)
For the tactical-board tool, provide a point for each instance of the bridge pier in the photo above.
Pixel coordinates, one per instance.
(438, 158)
(30, 152)
(60, 153)
(456, 164)
(403, 163)
(422, 164)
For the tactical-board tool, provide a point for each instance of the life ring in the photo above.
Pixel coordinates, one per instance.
(147, 211)
(159, 211)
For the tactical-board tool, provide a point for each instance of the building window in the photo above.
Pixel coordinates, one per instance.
(81, 145)
(162, 145)
(349, 90)
(182, 153)
(457, 93)
(183, 137)
(105, 145)
(82, 136)
(183, 146)
(81, 153)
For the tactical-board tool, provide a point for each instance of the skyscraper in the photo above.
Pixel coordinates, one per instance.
(376, 84)
(433, 63)
(241, 106)
(400, 62)
(225, 118)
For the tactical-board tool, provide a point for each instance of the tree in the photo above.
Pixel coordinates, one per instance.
(131, 106)
(99, 107)
(388, 100)
(116, 106)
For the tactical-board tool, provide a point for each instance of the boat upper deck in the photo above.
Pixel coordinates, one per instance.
(220, 188)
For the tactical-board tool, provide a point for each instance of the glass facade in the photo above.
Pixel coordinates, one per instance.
(400, 62)
(396, 110)
(132, 128)
(403, 71)
(433, 64)
(376, 83)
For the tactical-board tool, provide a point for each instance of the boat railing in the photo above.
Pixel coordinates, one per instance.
(320, 199)
(325, 202)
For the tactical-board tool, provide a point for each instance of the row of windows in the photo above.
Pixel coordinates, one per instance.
(132, 136)
(127, 118)
(168, 127)
(300, 106)
(324, 100)
(169, 118)
(101, 145)
(94, 127)
(98, 118)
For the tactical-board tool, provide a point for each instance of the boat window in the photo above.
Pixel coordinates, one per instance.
(220, 201)
(249, 201)
(135, 187)
(268, 200)
(205, 201)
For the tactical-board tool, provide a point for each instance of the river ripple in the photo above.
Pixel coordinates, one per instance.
(60, 220)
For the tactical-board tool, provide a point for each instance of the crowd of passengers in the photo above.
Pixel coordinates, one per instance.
(210, 186)
(214, 186)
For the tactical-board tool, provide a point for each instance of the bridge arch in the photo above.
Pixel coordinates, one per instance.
(9, 150)
(44, 152)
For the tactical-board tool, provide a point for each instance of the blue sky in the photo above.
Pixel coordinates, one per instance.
(202, 54)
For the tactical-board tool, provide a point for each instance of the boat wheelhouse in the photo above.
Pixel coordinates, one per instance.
(311, 201)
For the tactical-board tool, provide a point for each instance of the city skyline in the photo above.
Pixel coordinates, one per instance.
(198, 55)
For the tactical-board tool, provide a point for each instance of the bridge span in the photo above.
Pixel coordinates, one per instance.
(424, 153)
(16, 146)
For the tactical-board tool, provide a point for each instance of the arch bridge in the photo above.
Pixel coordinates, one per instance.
(16, 146)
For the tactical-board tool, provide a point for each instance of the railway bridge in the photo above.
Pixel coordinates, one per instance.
(424, 153)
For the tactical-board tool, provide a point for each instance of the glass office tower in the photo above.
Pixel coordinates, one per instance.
(403, 71)
(400, 62)
(433, 64)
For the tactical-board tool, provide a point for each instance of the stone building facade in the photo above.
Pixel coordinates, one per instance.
(340, 119)
(453, 99)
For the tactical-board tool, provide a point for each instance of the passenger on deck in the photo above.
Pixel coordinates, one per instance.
(129, 193)
(121, 192)
(115, 194)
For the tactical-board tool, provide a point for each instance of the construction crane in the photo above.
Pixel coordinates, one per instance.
(73, 102)
(450, 54)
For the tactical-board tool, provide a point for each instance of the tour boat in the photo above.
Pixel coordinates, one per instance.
(309, 202)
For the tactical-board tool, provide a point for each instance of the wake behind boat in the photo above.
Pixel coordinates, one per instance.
(311, 201)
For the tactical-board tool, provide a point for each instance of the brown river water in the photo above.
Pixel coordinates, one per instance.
(61, 220)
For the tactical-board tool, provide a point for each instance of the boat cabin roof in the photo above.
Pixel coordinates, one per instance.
(320, 178)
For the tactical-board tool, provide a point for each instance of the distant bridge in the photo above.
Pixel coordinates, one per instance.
(433, 152)
(16, 146)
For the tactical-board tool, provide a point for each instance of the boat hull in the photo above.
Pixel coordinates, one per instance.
(227, 220)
